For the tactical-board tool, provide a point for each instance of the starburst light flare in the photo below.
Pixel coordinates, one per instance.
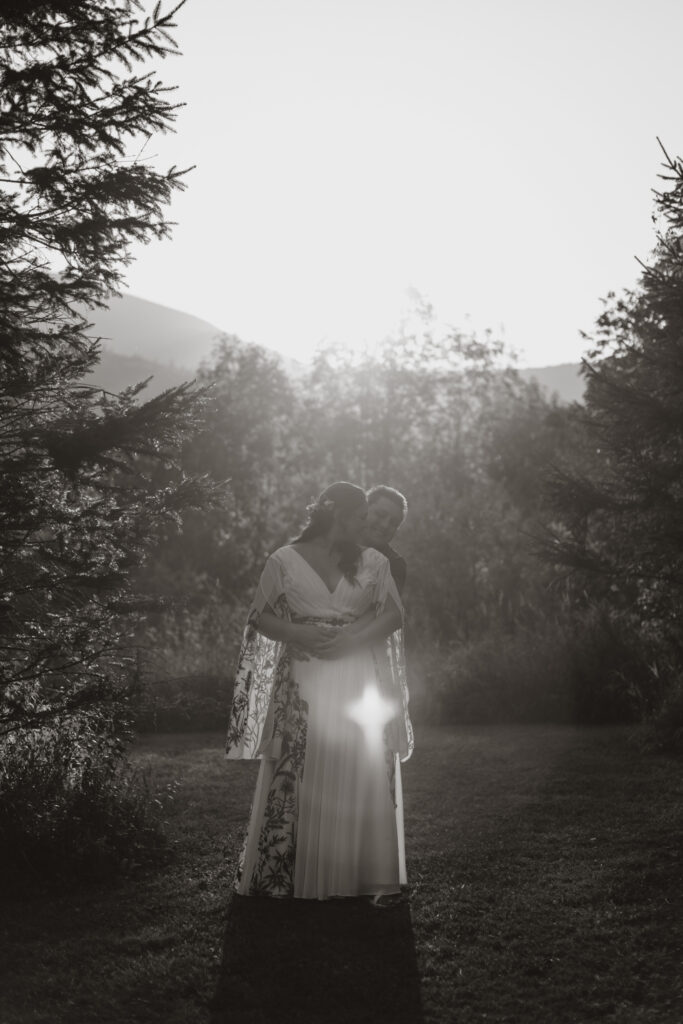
(372, 712)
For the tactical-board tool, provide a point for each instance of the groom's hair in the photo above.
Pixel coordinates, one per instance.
(382, 491)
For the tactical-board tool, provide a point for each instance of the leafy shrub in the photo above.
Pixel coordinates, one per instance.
(588, 668)
(662, 729)
(186, 671)
(72, 808)
(186, 703)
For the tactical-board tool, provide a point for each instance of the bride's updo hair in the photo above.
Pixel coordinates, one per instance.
(342, 498)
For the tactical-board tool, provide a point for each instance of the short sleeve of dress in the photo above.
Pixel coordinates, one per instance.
(270, 587)
(384, 585)
(260, 661)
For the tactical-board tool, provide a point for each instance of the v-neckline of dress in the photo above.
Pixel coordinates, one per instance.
(315, 572)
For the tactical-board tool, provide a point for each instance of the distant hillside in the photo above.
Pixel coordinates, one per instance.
(115, 372)
(143, 339)
(147, 330)
(564, 380)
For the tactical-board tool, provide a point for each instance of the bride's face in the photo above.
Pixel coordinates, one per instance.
(352, 526)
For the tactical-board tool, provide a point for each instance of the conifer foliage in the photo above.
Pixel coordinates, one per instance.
(81, 500)
(626, 510)
(620, 505)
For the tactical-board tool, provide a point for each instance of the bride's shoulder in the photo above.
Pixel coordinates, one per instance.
(371, 558)
(283, 553)
(281, 556)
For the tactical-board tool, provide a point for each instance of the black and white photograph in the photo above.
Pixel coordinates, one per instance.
(341, 512)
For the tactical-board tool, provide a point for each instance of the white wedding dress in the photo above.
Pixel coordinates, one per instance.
(327, 815)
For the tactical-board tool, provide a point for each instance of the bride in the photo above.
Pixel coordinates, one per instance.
(320, 698)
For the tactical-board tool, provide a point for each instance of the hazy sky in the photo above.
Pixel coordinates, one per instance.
(495, 156)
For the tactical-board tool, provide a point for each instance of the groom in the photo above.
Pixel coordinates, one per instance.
(387, 509)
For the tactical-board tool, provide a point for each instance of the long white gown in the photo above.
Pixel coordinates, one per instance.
(327, 815)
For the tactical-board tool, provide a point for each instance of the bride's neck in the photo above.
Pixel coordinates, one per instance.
(329, 544)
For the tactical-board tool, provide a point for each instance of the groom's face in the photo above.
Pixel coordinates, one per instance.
(384, 519)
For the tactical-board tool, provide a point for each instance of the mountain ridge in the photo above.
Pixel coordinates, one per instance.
(134, 327)
(143, 339)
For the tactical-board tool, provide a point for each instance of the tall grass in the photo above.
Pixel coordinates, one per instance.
(588, 669)
(185, 672)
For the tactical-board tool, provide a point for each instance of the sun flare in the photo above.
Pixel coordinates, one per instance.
(372, 712)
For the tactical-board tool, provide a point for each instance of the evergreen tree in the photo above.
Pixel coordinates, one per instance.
(621, 504)
(79, 507)
(618, 532)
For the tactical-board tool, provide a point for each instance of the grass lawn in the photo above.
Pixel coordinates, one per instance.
(545, 868)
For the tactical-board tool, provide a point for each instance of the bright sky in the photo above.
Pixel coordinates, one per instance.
(495, 156)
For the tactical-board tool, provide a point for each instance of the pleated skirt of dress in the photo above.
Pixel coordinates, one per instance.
(349, 836)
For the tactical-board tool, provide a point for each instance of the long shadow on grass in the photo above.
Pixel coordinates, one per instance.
(310, 962)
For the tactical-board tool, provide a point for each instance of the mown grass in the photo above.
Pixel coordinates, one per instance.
(545, 886)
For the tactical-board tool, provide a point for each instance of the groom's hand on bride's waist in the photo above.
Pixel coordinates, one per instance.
(338, 645)
(312, 639)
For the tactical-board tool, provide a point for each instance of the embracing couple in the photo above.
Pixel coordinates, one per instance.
(321, 698)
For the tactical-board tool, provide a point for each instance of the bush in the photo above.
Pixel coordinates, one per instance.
(518, 678)
(191, 703)
(588, 669)
(662, 730)
(185, 675)
(71, 808)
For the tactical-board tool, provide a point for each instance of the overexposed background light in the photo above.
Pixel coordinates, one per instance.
(495, 157)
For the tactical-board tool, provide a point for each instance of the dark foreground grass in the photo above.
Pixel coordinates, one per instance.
(545, 886)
